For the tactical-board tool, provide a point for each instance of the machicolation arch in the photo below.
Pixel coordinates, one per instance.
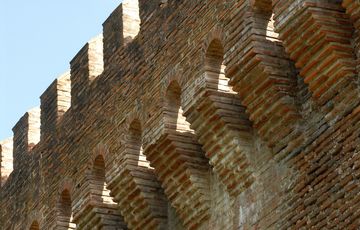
(34, 226)
(64, 209)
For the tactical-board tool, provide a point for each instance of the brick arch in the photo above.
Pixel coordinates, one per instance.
(138, 113)
(66, 184)
(173, 91)
(109, 160)
(100, 150)
(64, 213)
(132, 172)
(134, 141)
(328, 63)
(173, 108)
(64, 209)
(34, 221)
(34, 225)
(98, 169)
(95, 207)
(99, 164)
(176, 74)
(217, 33)
(215, 112)
(263, 76)
(179, 163)
(133, 126)
(214, 66)
(262, 5)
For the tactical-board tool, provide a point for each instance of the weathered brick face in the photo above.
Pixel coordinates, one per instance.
(196, 115)
(6, 160)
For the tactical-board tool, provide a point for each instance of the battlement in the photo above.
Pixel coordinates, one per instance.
(71, 88)
(55, 101)
(85, 67)
(26, 136)
(120, 28)
(196, 115)
(6, 159)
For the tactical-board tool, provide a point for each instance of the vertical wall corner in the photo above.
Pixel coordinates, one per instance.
(6, 159)
(55, 101)
(26, 136)
(130, 19)
(120, 28)
(85, 67)
(95, 57)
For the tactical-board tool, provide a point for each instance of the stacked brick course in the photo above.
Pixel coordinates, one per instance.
(6, 161)
(196, 115)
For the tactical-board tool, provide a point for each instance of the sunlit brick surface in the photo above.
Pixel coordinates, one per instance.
(195, 115)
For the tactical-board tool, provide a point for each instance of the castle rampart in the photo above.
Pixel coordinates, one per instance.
(196, 115)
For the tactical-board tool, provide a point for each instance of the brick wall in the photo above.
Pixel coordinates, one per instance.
(214, 115)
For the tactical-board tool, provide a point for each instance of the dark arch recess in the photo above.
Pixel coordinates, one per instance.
(34, 226)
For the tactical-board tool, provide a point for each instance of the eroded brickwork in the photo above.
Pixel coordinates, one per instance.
(197, 115)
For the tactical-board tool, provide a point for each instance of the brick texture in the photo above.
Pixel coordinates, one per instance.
(196, 115)
(6, 161)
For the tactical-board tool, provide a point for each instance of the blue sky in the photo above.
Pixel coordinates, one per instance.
(38, 39)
